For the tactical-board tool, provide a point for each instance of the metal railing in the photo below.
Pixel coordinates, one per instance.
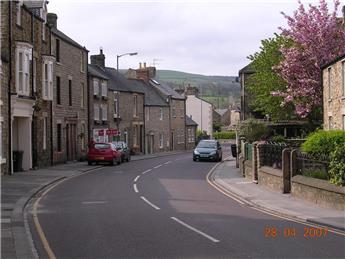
(271, 154)
(249, 152)
(312, 166)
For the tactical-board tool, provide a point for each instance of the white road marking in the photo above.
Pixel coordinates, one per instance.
(149, 170)
(94, 202)
(135, 188)
(169, 162)
(158, 166)
(195, 230)
(243, 182)
(149, 203)
(136, 178)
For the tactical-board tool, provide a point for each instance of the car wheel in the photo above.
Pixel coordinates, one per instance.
(220, 159)
(129, 158)
(113, 162)
(89, 162)
(119, 161)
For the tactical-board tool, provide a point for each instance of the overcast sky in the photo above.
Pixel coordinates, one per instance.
(206, 37)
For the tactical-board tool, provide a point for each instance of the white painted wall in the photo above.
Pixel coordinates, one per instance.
(201, 113)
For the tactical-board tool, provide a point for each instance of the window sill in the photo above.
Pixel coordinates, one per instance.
(330, 100)
(2, 161)
(58, 63)
(343, 98)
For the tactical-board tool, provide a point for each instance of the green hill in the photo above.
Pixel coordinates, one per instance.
(219, 90)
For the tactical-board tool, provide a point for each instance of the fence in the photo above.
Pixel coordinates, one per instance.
(312, 166)
(271, 154)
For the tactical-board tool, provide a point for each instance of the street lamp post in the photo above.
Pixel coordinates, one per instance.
(117, 97)
(119, 56)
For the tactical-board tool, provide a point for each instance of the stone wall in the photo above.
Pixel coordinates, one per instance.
(320, 192)
(334, 104)
(248, 169)
(271, 178)
(178, 124)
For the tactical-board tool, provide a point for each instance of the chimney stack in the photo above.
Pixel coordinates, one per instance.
(145, 73)
(98, 60)
(52, 20)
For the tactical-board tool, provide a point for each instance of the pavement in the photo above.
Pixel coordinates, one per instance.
(19, 188)
(229, 180)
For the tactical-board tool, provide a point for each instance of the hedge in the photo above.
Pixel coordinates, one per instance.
(224, 135)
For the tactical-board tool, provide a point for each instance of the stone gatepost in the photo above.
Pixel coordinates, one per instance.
(286, 164)
(255, 164)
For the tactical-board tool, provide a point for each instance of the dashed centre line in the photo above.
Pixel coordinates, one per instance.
(158, 166)
(136, 178)
(149, 170)
(195, 230)
(169, 162)
(94, 202)
(149, 203)
(135, 188)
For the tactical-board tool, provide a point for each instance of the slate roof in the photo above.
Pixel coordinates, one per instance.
(221, 111)
(333, 61)
(64, 37)
(118, 82)
(247, 70)
(166, 90)
(97, 71)
(190, 122)
(34, 4)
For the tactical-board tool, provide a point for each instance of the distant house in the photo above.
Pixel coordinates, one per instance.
(200, 110)
(333, 75)
(224, 116)
(246, 111)
(191, 127)
(216, 117)
(234, 117)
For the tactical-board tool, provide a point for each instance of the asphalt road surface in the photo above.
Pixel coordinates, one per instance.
(164, 208)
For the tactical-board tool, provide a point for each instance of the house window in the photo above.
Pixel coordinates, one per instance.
(57, 50)
(82, 61)
(148, 113)
(182, 113)
(161, 114)
(58, 90)
(161, 140)
(329, 83)
(59, 137)
(104, 89)
(116, 106)
(19, 13)
(343, 76)
(47, 71)
(70, 92)
(126, 137)
(82, 104)
(174, 112)
(96, 112)
(95, 87)
(23, 57)
(45, 131)
(135, 101)
(330, 122)
(105, 112)
(34, 70)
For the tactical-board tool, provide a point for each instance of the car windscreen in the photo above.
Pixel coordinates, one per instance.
(204, 144)
(102, 146)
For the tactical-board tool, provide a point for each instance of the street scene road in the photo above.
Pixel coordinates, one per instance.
(161, 208)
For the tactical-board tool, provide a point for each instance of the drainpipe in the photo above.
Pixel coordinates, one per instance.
(144, 116)
(51, 110)
(185, 126)
(88, 85)
(33, 132)
(9, 90)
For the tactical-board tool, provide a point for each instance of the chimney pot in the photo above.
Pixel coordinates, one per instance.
(52, 20)
(144, 64)
(140, 65)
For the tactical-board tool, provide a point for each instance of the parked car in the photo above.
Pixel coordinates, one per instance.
(124, 149)
(103, 152)
(208, 150)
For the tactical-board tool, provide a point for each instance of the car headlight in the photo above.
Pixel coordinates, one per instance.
(196, 152)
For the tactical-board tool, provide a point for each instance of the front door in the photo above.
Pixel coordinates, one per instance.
(71, 141)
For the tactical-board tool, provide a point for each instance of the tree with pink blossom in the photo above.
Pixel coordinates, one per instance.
(318, 37)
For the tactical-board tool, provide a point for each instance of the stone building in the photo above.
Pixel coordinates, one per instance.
(191, 127)
(333, 75)
(98, 104)
(26, 90)
(125, 107)
(70, 106)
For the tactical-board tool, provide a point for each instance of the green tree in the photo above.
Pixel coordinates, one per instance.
(265, 80)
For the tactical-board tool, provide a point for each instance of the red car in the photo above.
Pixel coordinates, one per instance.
(103, 152)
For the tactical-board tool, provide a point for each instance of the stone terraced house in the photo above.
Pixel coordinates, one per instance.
(333, 75)
(26, 92)
(70, 107)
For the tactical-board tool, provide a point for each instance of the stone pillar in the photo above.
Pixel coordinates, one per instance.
(293, 163)
(286, 170)
(255, 162)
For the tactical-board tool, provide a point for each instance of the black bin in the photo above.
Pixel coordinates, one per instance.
(18, 160)
(233, 150)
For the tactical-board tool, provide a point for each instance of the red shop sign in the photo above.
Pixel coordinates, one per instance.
(101, 133)
(112, 132)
